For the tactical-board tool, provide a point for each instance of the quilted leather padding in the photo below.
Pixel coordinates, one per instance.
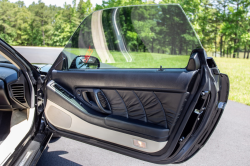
(134, 106)
(118, 106)
(103, 101)
(159, 108)
(173, 104)
(153, 108)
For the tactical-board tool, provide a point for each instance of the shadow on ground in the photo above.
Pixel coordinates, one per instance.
(56, 158)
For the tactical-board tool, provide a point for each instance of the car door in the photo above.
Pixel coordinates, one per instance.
(136, 80)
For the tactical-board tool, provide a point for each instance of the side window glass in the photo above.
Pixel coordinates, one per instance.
(146, 36)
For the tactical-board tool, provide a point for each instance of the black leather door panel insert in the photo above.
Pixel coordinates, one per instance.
(158, 108)
(133, 104)
(153, 108)
(117, 104)
(86, 113)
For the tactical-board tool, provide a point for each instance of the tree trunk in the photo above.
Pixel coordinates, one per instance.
(186, 48)
(236, 35)
(234, 52)
(152, 49)
(180, 47)
(137, 45)
(221, 45)
(245, 50)
(224, 45)
(215, 48)
(43, 34)
(248, 53)
(238, 52)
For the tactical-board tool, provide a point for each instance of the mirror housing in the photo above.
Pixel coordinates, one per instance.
(85, 62)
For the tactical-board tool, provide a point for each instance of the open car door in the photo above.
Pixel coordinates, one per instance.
(136, 80)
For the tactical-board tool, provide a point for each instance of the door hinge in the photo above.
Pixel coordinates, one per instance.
(199, 111)
(202, 102)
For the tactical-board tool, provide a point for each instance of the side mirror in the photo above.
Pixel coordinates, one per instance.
(85, 62)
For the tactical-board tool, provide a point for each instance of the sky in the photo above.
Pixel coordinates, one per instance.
(57, 2)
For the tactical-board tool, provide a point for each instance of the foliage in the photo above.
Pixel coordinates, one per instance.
(222, 25)
(38, 24)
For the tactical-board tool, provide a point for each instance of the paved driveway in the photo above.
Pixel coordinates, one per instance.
(229, 145)
(42, 54)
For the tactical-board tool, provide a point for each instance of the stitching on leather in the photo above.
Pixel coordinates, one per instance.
(123, 102)
(141, 106)
(162, 108)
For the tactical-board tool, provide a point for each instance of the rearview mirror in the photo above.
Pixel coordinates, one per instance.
(85, 62)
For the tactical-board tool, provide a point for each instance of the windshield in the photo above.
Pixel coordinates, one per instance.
(146, 36)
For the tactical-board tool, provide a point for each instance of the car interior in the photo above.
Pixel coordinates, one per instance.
(16, 114)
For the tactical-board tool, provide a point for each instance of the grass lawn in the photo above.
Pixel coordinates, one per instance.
(140, 59)
(238, 71)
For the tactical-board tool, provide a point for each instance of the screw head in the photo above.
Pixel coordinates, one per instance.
(79, 93)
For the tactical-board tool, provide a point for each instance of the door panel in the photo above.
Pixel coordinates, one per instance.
(77, 125)
(149, 114)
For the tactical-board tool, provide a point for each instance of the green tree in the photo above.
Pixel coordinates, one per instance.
(84, 9)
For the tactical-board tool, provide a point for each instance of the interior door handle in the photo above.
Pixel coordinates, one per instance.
(94, 102)
(96, 91)
(85, 97)
(83, 94)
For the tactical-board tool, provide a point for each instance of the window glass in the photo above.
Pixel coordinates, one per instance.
(3, 59)
(146, 36)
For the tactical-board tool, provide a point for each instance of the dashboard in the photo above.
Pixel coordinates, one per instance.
(14, 91)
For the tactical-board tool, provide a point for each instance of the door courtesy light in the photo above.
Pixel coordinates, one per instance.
(140, 144)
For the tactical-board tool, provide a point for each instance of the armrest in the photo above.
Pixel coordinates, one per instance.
(136, 126)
